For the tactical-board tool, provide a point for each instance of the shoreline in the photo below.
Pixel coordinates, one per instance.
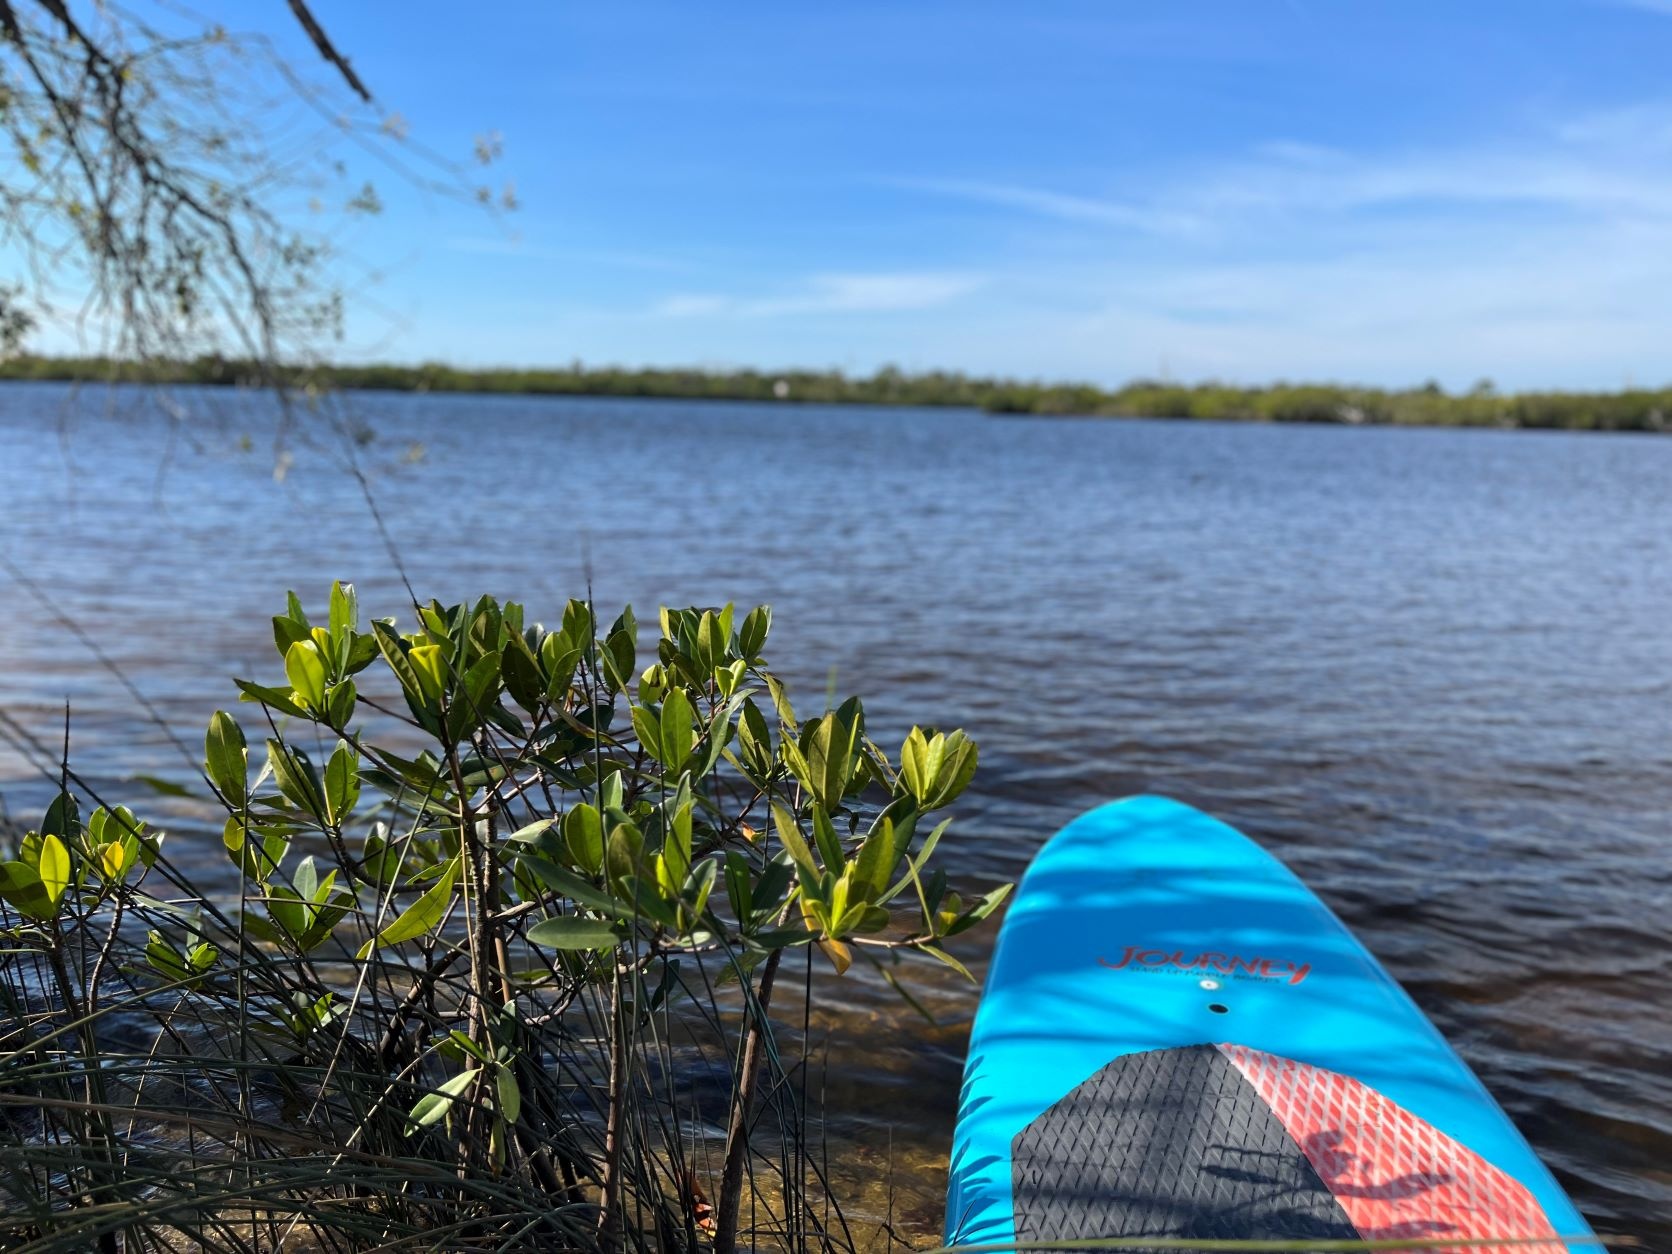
(1645, 411)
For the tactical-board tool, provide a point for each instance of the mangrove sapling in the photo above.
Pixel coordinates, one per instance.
(496, 910)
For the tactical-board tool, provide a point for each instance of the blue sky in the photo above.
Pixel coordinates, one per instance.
(1243, 189)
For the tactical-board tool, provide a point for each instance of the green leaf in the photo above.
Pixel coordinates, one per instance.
(934, 951)
(293, 608)
(436, 621)
(828, 747)
(915, 867)
(287, 631)
(61, 818)
(622, 852)
(226, 757)
(716, 737)
(287, 909)
(711, 642)
(305, 669)
(306, 878)
(653, 682)
(361, 650)
(258, 927)
(979, 911)
(780, 701)
(620, 651)
(21, 887)
(559, 656)
(677, 731)
(699, 885)
(342, 783)
(276, 698)
(430, 667)
(345, 609)
(54, 868)
(647, 726)
(933, 892)
(583, 836)
(478, 691)
(957, 769)
(296, 778)
(419, 917)
(871, 867)
(339, 703)
(751, 637)
(738, 887)
(164, 958)
(794, 759)
(610, 792)
(824, 835)
(936, 769)
(676, 846)
(327, 646)
(917, 765)
(432, 1106)
(772, 885)
(570, 931)
(235, 836)
(835, 900)
(395, 656)
(789, 834)
(326, 915)
(566, 882)
(754, 740)
(533, 831)
(522, 674)
(727, 678)
(576, 628)
(779, 938)
(508, 1094)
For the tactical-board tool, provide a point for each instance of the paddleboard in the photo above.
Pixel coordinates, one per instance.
(1178, 1039)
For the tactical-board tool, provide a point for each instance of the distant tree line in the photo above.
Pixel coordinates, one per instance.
(1638, 409)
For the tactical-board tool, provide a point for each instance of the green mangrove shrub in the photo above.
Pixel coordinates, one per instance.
(510, 897)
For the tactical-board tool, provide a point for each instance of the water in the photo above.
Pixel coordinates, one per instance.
(1431, 669)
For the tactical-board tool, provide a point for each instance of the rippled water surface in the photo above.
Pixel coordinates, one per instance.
(1431, 669)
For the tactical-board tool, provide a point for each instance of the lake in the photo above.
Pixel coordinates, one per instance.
(1431, 669)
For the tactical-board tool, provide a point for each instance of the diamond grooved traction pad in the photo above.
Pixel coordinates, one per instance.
(1226, 1143)
(1169, 1142)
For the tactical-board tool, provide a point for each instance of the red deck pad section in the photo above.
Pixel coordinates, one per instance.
(1394, 1174)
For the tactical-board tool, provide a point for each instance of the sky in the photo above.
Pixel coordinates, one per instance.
(1380, 191)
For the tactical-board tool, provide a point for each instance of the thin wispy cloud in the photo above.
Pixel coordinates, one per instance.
(1064, 206)
(515, 246)
(1595, 164)
(829, 294)
(1599, 163)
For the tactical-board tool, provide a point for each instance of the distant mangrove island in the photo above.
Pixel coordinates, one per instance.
(1429, 405)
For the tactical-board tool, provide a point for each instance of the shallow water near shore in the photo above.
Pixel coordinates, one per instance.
(1430, 669)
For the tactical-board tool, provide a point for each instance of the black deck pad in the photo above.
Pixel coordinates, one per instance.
(1169, 1142)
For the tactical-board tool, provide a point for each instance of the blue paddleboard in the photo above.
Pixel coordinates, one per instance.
(1178, 1039)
